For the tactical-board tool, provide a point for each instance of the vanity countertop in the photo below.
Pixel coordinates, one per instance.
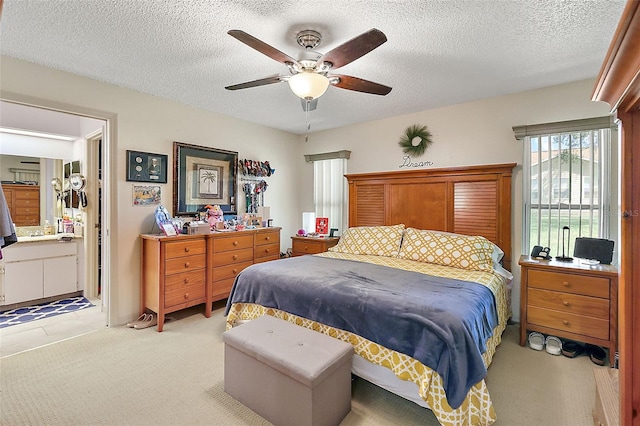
(40, 238)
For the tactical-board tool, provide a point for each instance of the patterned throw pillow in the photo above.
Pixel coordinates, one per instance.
(458, 251)
(374, 240)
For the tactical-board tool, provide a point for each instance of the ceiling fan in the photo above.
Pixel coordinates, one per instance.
(310, 76)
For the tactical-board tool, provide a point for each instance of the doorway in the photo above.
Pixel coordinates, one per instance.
(94, 155)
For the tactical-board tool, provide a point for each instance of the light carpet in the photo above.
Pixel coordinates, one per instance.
(123, 376)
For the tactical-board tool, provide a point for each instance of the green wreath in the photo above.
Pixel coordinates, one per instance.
(411, 133)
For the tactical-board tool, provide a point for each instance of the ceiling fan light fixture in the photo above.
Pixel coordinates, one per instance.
(308, 85)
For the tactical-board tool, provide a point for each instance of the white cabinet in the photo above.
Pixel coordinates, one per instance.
(39, 269)
(22, 281)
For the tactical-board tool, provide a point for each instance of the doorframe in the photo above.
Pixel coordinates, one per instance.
(109, 181)
(92, 155)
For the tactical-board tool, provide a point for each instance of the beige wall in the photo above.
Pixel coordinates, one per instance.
(466, 134)
(151, 124)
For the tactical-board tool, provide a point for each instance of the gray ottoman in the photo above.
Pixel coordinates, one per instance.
(288, 374)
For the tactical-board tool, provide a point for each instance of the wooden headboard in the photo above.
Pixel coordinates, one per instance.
(472, 200)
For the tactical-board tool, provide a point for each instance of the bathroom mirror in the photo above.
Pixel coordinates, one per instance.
(23, 170)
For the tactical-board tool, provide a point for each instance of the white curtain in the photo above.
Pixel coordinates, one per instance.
(330, 191)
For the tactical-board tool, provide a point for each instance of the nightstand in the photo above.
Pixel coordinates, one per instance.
(312, 245)
(571, 300)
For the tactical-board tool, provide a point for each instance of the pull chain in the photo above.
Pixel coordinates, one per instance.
(306, 114)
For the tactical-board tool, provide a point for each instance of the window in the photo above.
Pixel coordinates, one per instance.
(566, 180)
(330, 187)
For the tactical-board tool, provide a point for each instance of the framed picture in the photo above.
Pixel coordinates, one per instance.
(168, 229)
(146, 167)
(322, 225)
(203, 176)
(146, 195)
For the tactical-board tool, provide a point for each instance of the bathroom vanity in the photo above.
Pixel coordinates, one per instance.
(40, 267)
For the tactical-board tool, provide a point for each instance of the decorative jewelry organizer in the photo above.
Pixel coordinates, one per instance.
(252, 185)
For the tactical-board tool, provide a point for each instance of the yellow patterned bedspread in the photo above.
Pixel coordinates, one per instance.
(476, 408)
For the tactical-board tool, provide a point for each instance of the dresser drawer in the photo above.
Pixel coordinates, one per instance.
(268, 238)
(221, 289)
(569, 283)
(27, 219)
(27, 197)
(266, 250)
(27, 207)
(185, 248)
(185, 288)
(569, 303)
(307, 247)
(185, 264)
(578, 324)
(229, 271)
(232, 243)
(233, 256)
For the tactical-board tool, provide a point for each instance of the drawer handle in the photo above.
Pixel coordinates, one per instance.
(306, 248)
(235, 243)
(267, 238)
(565, 283)
(565, 322)
(186, 249)
(186, 264)
(235, 256)
(565, 303)
(266, 250)
(186, 280)
(186, 295)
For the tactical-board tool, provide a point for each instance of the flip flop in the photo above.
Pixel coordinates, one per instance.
(140, 319)
(553, 345)
(536, 341)
(596, 354)
(572, 349)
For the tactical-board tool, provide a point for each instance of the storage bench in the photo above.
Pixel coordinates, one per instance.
(288, 374)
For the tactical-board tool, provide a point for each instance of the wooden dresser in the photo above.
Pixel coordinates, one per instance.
(173, 274)
(310, 245)
(234, 251)
(24, 203)
(187, 270)
(570, 300)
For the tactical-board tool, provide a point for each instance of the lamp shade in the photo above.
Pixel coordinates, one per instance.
(308, 85)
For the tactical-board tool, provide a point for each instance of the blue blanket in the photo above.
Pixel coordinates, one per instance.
(442, 322)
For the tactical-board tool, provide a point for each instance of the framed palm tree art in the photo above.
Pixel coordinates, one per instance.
(203, 176)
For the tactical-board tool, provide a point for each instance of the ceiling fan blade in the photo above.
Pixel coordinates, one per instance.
(354, 48)
(262, 47)
(360, 85)
(309, 105)
(256, 83)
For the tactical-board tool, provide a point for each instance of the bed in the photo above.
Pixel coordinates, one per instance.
(381, 285)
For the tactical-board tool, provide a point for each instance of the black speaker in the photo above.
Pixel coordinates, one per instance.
(594, 248)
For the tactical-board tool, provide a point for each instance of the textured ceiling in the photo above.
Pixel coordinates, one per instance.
(438, 53)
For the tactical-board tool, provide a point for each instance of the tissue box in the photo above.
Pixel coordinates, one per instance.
(197, 228)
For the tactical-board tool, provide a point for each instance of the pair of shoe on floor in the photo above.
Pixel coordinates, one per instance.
(144, 321)
(597, 355)
(552, 344)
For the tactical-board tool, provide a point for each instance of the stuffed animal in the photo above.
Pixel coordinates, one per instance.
(214, 215)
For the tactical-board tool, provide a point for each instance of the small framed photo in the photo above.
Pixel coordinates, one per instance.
(168, 229)
(146, 167)
(146, 195)
(322, 225)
